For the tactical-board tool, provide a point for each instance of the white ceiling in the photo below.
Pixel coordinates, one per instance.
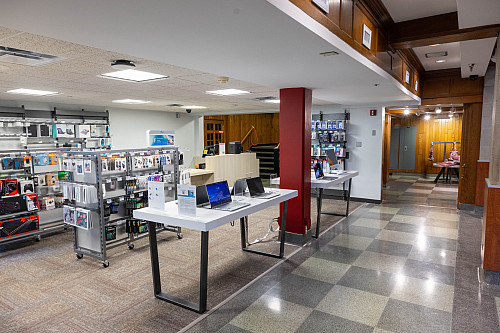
(477, 52)
(249, 41)
(475, 13)
(405, 10)
(430, 64)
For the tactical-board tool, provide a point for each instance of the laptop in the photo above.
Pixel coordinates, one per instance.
(240, 186)
(201, 196)
(257, 189)
(220, 198)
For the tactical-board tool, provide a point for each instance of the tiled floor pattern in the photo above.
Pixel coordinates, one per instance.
(401, 266)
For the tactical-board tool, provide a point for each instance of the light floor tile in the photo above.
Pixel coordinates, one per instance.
(392, 192)
(424, 292)
(353, 304)
(416, 220)
(497, 300)
(351, 241)
(271, 314)
(322, 270)
(398, 236)
(443, 196)
(434, 255)
(444, 216)
(383, 209)
(416, 190)
(370, 223)
(446, 189)
(440, 232)
(404, 180)
(379, 330)
(380, 262)
(431, 185)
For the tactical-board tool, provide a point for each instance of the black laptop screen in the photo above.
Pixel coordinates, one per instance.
(255, 186)
(218, 193)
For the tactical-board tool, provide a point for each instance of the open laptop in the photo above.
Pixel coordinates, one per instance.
(240, 186)
(257, 189)
(201, 196)
(220, 198)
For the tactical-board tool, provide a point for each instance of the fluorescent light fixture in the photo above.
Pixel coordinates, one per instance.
(440, 61)
(274, 101)
(131, 101)
(438, 110)
(406, 111)
(194, 107)
(434, 44)
(427, 117)
(134, 76)
(227, 92)
(32, 92)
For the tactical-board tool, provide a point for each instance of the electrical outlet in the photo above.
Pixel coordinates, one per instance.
(359, 144)
(374, 132)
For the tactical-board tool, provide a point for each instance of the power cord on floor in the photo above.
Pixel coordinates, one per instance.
(269, 230)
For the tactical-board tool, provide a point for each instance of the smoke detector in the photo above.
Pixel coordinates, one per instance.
(222, 79)
(123, 64)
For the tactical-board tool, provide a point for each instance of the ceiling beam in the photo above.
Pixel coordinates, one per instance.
(438, 29)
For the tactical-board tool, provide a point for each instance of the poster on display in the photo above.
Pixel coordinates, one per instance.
(186, 195)
(222, 149)
(157, 138)
(156, 195)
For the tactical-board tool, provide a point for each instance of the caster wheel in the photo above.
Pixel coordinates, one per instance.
(131, 246)
(38, 238)
(179, 236)
(79, 255)
(105, 264)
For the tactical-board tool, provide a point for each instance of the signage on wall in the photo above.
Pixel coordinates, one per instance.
(373, 113)
(407, 78)
(416, 85)
(323, 4)
(160, 138)
(367, 36)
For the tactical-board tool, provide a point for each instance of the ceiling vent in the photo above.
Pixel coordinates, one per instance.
(28, 58)
(436, 54)
(267, 98)
(175, 105)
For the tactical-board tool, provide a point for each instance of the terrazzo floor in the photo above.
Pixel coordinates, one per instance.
(411, 264)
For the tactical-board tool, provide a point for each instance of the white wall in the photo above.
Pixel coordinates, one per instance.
(488, 92)
(128, 130)
(366, 159)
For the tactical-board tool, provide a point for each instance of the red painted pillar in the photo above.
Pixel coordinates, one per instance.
(295, 155)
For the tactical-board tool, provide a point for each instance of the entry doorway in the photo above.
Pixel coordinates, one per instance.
(213, 131)
(403, 148)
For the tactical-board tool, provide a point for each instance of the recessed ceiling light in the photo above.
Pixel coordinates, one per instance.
(436, 54)
(438, 110)
(440, 61)
(131, 101)
(435, 45)
(134, 76)
(227, 92)
(32, 92)
(193, 107)
(427, 117)
(406, 111)
(274, 101)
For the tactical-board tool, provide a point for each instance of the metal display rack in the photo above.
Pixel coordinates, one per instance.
(50, 220)
(113, 195)
(345, 117)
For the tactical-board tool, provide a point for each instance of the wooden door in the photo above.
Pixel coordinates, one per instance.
(471, 137)
(213, 131)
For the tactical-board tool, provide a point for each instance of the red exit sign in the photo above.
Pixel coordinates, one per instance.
(373, 113)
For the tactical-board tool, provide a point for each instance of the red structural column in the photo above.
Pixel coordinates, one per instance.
(295, 155)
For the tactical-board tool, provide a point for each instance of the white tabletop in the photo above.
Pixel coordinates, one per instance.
(329, 180)
(208, 219)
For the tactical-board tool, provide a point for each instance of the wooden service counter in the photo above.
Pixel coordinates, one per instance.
(228, 167)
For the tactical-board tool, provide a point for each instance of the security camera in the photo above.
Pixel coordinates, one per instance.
(473, 77)
(188, 110)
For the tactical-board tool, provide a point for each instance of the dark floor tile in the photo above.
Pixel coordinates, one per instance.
(401, 316)
(361, 231)
(427, 270)
(474, 312)
(403, 227)
(390, 248)
(467, 276)
(413, 211)
(301, 290)
(338, 253)
(369, 280)
(232, 329)
(321, 322)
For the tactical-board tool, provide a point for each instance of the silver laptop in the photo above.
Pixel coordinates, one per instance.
(220, 198)
(257, 189)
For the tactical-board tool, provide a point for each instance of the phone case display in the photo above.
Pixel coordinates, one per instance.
(329, 132)
(101, 190)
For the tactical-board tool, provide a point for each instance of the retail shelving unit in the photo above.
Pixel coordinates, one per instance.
(32, 177)
(103, 190)
(329, 132)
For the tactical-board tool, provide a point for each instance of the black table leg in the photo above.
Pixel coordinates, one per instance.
(282, 236)
(153, 247)
(347, 198)
(439, 174)
(319, 202)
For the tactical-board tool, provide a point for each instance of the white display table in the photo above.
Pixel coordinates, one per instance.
(206, 220)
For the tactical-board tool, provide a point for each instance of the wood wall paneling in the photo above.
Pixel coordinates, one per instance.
(471, 137)
(334, 14)
(346, 16)
(361, 18)
(448, 87)
(482, 172)
(397, 67)
(491, 230)
(432, 130)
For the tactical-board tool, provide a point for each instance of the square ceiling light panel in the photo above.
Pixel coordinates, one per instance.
(227, 92)
(32, 92)
(133, 75)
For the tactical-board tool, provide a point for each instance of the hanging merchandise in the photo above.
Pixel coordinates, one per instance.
(431, 153)
(454, 153)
